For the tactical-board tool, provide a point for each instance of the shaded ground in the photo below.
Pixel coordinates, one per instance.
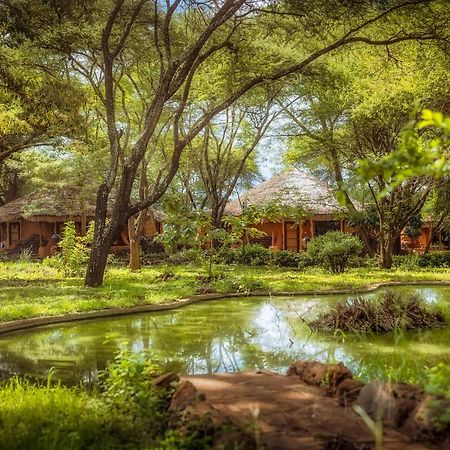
(284, 413)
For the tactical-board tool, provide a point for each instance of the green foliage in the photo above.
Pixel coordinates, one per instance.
(422, 151)
(439, 387)
(285, 258)
(74, 251)
(187, 256)
(333, 250)
(128, 392)
(126, 411)
(251, 255)
(428, 260)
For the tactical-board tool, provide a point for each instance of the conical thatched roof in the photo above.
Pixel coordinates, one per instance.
(63, 204)
(292, 189)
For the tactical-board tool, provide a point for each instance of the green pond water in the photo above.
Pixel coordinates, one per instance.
(228, 335)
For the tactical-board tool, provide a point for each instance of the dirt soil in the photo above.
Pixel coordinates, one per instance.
(284, 413)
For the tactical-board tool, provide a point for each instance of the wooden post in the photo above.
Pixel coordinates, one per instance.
(273, 238)
(298, 237)
(342, 226)
(283, 235)
(313, 231)
(40, 235)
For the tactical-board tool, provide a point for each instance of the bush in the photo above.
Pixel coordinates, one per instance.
(391, 311)
(285, 258)
(125, 411)
(438, 386)
(74, 251)
(188, 256)
(333, 250)
(250, 255)
(435, 260)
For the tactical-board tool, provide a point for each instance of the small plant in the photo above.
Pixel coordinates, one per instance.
(74, 251)
(333, 250)
(26, 254)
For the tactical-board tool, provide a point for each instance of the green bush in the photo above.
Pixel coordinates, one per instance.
(253, 255)
(438, 386)
(435, 260)
(187, 256)
(250, 255)
(285, 258)
(124, 412)
(74, 255)
(333, 250)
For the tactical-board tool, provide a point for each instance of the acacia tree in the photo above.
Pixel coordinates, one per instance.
(224, 154)
(340, 116)
(104, 43)
(39, 102)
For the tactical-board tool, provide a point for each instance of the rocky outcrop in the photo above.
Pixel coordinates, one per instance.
(190, 412)
(398, 405)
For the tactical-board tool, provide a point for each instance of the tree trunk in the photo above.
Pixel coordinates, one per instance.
(135, 257)
(104, 234)
(97, 263)
(387, 241)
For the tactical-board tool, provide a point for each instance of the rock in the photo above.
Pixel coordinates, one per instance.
(166, 380)
(348, 391)
(311, 372)
(191, 413)
(336, 374)
(392, 402)
(317, 374)
(185, 395)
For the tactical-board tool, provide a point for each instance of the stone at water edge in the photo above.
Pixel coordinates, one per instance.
(392, 402)
(348, 391)
(319, 374)
(190, 410)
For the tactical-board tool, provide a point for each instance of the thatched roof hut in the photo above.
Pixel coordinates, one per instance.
(53, 205)
(32, 220)
(292, 188)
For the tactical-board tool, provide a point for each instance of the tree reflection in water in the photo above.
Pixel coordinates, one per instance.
(225, 335)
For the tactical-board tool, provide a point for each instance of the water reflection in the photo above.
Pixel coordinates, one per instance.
(226, 335)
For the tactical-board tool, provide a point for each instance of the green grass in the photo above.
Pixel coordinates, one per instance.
(29, 289)
(123, 411)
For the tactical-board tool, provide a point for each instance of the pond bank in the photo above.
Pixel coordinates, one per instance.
(292, 412)
(22, 324)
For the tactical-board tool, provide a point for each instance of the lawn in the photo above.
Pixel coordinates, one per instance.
(29, 289)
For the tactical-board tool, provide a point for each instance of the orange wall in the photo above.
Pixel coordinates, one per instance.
(419, 243)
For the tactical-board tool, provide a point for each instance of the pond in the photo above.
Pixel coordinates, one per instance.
(227, 335)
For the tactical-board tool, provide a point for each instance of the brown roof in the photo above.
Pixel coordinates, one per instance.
(63, 204)
(292, 188)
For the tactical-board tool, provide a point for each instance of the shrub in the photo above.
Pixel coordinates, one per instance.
(250, 255)
(74, 251)
(190, 255)
(285, 258)
(438, 386)
(125, 412)
(333, 250)
(253, 255)
(391, 311)
(435, 260)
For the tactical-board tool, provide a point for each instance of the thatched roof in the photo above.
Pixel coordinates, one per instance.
(292, 189)
(61, 205)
